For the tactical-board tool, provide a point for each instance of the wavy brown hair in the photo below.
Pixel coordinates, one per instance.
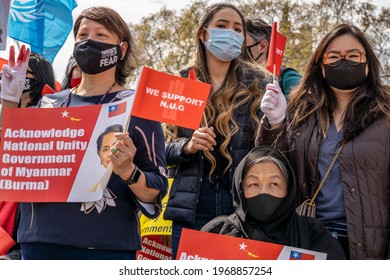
(370, 102)
(240, 88)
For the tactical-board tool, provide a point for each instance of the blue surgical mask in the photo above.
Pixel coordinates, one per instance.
(225, 44)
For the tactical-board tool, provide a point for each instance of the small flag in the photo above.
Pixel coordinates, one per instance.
(295, 255)
(170, 99)
(117, 109)
(47, 90)
(276, 51)
(192, 74)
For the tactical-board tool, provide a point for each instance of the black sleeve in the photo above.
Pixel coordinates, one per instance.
(321, 240)
(148, 138)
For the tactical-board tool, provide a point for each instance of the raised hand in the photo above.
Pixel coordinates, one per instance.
(14, 75)
(274, 104)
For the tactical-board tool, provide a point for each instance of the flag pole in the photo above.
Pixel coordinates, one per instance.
(192, 76)
(274, 75)
(205, 120)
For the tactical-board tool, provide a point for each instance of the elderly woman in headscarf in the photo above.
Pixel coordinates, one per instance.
(265, 200)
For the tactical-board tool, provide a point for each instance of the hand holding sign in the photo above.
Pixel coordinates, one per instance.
(122, 160)
(203, 139)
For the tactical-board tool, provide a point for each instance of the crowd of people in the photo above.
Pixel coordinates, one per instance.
(263, 147)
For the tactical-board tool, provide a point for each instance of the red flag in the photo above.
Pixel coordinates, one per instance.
(171, 99)
(58, 86)
(47, 90)
(192, 74)
(115, 110)
(276, 51)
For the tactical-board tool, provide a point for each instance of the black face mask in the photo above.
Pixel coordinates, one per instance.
(95, 57)
(29, 85)
(250, 51)
(255, 58)
(261, 207)
(345, 76)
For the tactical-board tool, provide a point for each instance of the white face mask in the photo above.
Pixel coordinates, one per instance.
(225, 44)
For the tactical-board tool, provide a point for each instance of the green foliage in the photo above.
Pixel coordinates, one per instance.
(167, 38)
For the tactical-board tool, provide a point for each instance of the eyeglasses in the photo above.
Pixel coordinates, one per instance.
(333, 58)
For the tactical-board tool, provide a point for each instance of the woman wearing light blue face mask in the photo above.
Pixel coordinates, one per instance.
(205, 159)
(225, 44)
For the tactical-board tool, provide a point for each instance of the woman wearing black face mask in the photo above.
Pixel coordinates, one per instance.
(106, 54)
(39, 73)
(258, 38)
(341, 103)
(264, 199)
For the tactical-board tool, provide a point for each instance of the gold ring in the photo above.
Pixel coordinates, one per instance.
(114, 150)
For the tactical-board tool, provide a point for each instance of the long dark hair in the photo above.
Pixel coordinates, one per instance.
(370, 102)
(43, 73)
(68, 73)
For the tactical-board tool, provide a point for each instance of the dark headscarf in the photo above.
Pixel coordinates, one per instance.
(282, 226)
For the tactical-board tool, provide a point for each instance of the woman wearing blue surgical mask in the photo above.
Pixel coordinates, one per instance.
(205, 159)
(340, 105)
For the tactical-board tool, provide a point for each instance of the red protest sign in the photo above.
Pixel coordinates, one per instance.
(197, 245)
(51, 158)
(167, 98)
(154, 248)
(276, 51)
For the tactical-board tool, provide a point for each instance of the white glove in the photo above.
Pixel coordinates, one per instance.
(14, 75)
(274, 104)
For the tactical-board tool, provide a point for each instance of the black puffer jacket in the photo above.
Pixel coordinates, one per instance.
(185, 189)
(189, 173)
